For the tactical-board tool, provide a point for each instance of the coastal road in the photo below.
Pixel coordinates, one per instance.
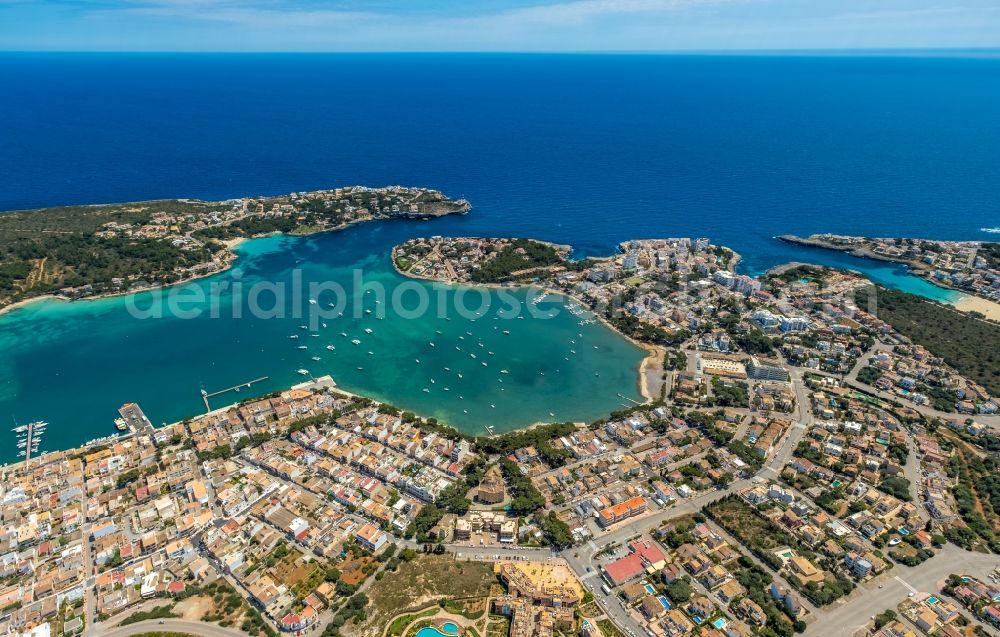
(166, 625)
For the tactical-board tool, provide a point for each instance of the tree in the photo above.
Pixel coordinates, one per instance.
(884, 618)
(556, 531)
(679, 590)
(897, 486)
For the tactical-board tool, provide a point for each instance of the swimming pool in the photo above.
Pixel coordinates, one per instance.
(932, 600)
(650, 589)
(719, 622)
(448, 629)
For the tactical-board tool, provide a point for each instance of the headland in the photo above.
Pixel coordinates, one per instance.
(75, 252)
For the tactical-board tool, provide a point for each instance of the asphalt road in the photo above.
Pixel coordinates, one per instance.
(167, 625)
(852, 380)
(847, 615)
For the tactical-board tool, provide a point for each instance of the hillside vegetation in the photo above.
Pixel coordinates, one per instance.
(970, 345)
(42, 251)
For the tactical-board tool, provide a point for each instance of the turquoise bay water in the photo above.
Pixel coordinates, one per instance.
(74, 364)
(891, 275)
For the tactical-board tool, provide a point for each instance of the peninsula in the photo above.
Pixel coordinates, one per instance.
(77, 252)
(667, 292)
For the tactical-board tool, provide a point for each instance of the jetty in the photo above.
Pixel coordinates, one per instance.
(205, 395)
(631, 400)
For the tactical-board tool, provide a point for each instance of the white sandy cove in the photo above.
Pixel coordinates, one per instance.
(989, 309)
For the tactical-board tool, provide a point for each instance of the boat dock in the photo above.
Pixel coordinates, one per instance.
(29, 436)
(205, 395)
(133, 418)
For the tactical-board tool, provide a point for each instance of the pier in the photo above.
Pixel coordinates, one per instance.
(634, 402)
(205, 395)
(29, 437)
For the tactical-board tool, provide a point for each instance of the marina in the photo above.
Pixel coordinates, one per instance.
(29, 438)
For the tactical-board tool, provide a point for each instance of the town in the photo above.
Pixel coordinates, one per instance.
(970, 266)
(802, 467)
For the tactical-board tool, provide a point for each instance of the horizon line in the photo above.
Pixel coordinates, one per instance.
(499, 52)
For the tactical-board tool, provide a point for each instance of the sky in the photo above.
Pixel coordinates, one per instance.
(495, 25)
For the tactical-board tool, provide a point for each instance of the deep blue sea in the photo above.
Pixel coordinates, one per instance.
(587, 150)
(582, 149)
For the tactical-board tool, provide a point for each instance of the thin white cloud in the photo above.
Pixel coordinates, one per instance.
(583, 10)
(280, 13)
(534, 25)
(270, 15)
(897, 14)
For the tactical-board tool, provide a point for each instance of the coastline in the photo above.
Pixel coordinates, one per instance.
(25, 302)
(231, 245)
(988, 307)
(647, 366)
(653, 352)
(971, 303)
(230, 258)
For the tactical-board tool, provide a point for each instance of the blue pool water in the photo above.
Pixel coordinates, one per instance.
(448, 629)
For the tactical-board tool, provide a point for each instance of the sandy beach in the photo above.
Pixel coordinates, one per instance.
(23, 302)
(969, 303)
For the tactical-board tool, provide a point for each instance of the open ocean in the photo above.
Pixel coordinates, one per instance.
(587, 150)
